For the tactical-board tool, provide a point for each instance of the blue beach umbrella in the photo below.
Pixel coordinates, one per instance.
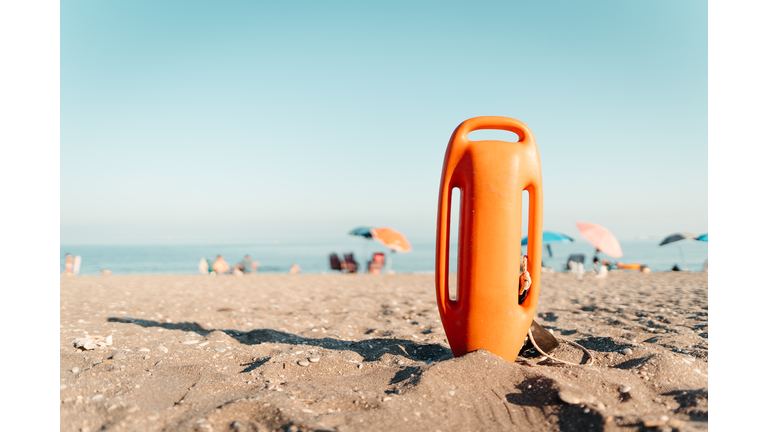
(363, 231)
(550, 237)
(703, 237)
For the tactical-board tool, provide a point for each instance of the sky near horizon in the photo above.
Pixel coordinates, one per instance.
(247, 121)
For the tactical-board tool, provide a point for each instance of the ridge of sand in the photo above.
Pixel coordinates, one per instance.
(222, 353)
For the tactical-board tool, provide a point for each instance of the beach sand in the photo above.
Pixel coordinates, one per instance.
(222, 353)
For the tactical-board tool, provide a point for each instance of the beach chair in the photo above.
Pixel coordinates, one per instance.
(349, 259)
(335, 262)
(575, 263)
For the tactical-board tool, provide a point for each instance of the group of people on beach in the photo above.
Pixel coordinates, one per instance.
(245, 266)
(349, 265)
(600, 268)
(219, 266)
(72, 266)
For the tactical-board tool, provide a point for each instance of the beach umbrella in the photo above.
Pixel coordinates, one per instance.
(550, 237)
(676, 237)
(392, 239)
(362, 231)
(601, 238)
(703, 237)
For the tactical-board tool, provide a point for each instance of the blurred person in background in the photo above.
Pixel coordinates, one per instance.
(220, 266)
(68, 265)
(246, 265)
(204, 266)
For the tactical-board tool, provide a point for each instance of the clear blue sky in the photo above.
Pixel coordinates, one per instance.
(191, 121)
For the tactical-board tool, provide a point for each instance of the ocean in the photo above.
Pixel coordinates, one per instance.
(313, 256)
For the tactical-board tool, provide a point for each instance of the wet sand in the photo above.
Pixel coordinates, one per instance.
(365, 352)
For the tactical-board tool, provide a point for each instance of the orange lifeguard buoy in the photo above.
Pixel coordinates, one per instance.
(492, 176)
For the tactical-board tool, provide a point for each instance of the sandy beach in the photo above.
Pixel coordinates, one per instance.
(367, 352)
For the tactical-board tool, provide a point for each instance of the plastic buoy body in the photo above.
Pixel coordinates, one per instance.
(492, 176)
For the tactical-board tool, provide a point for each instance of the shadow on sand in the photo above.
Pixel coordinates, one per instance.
(370, 349)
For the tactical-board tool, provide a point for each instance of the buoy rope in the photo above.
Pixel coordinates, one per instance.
(591, 358)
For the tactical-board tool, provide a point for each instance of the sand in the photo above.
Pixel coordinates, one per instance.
(223, 353)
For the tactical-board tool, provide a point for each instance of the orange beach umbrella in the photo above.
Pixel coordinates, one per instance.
(601, 238)
(391, 239)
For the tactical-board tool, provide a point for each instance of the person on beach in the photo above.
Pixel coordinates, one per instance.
(602, 272)
(295, 269)
(68, 265)
(376, 263)
(204, 266)
(246, 265)
(220, 266)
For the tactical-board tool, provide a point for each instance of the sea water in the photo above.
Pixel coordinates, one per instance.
(313, 256)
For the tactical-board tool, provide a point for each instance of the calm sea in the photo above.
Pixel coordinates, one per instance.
(312, 257)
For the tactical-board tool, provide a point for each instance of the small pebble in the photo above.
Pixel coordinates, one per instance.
(387, 399)
(655, 422)
(62, 387)
(204, 343)
(75, 369)
(451, 392)
(190, 342)
(359, 365)
(400, 362)
(626, 351)
(314, 359)
(143, 349)
(220, 349)
(97, 397)
(118, 356)
(303, 363)
(162, 348)
(625, 389)
(569, 397)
